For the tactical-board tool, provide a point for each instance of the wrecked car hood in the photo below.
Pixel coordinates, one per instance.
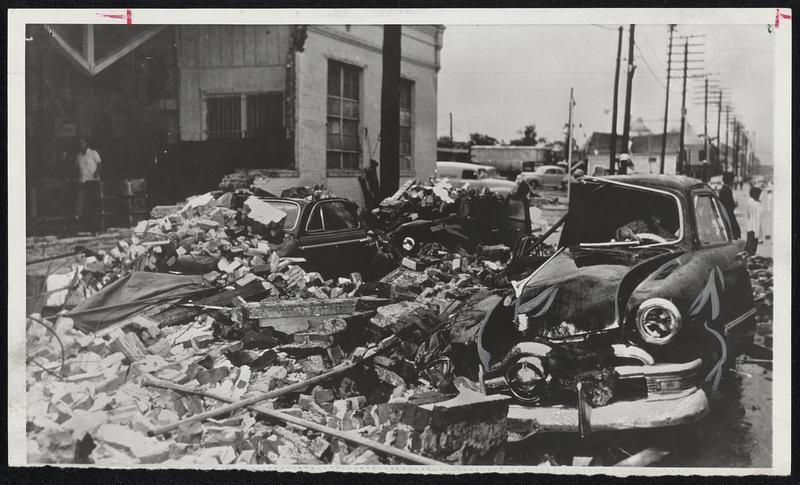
(576, 291)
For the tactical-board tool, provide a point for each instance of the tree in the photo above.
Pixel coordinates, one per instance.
(481, 139)
(528, 137)
(444, 142)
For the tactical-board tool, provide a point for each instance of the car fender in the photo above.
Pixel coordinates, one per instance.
(682, 281)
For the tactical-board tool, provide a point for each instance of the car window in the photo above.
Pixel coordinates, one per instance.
(315, 222)
(710, 228)
(336, 216)
(290, 208)
(516, 209)
(550, 171)
(469, 175)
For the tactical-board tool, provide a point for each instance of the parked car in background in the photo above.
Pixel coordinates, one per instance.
(544, 176)
(641, 307)
(475, 176)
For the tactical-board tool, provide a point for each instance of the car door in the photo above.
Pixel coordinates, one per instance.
(517, 219)
(553, 177)
(333, 240)
(714, 236)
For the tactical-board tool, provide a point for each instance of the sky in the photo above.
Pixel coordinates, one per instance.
(497, 79)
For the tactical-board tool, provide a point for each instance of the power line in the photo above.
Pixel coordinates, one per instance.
(649, 68)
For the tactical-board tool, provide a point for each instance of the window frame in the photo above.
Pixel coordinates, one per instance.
(243, 97)
(411, 85)
(717, 208)
(341, 118)
(318, 206)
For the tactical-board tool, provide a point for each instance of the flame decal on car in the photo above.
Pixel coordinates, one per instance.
(709, 295)
(543, 301)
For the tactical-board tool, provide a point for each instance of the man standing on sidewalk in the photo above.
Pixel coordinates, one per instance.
(753, 220)
(88, 162)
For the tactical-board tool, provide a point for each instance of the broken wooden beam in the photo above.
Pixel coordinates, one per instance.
(288, 418)
(298, 386)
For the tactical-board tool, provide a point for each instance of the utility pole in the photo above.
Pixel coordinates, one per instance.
(451, 127)
(612, 152)
(390, 111)
(719, 119)
(680, 168)
(626, 126)
(705, 123)
(735, 147)
(727, 129)
(704, 162)
(569, 144)
(666, 101)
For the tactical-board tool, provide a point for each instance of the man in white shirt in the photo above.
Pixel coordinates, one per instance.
(88, 163)
(753, 220)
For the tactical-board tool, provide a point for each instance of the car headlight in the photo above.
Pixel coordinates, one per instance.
(526, 378)
(658, 321)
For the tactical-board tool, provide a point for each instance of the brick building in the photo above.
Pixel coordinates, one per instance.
(184, 105)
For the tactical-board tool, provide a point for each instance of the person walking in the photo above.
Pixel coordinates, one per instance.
(729, 203)
(372, 188)
(88, 163)
(754, 209)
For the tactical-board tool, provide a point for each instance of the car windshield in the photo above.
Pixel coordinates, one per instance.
(290, 208)
(606, 214)
(487, 173)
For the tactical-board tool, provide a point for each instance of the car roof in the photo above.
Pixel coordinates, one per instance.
(675, 182)
(302, 202)
(463, 165)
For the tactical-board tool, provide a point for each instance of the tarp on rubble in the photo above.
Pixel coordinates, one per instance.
(130, 295)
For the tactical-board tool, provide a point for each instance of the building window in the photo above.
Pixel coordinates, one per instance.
(406, 125)
(223, 117)
(257, 115)
(344, 142)
(264, 115)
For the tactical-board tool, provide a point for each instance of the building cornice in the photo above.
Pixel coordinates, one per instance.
(365, 45)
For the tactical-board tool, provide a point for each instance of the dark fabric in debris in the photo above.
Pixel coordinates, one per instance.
(131, 295)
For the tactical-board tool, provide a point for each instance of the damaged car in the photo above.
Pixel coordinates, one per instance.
(631, 319)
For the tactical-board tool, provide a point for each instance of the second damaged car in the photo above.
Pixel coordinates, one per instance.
(631, 319)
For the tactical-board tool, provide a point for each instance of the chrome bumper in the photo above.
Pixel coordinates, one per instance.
(684, 408)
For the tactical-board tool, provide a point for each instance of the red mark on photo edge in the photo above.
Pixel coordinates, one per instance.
(127, 16)
(779, 16)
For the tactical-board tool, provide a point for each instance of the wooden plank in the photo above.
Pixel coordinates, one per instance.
(237, 45)
(349, 436)
(128, 47)
(249, 45)
(72, 54)
(310, 307)
(262, 36)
